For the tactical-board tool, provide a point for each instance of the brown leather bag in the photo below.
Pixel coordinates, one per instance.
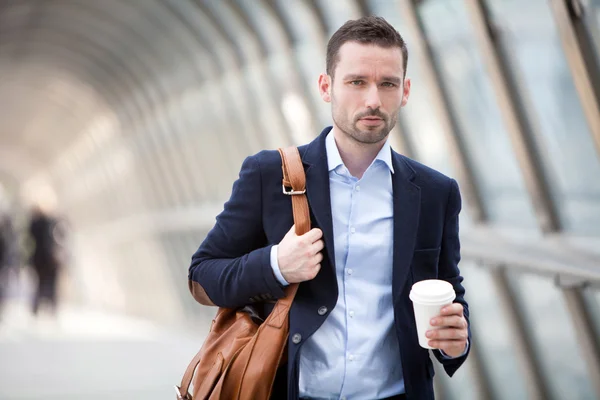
(240, 355)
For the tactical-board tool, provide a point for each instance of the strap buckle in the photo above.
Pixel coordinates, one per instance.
(292, 192)
(178, 392)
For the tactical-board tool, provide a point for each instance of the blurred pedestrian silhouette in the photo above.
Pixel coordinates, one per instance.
(47, 234)
(8, 252)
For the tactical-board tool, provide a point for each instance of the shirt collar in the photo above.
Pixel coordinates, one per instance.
(334, 159)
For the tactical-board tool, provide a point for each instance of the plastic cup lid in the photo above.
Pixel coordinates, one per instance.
(432, 291)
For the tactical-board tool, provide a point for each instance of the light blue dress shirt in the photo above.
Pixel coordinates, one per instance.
(355, 353)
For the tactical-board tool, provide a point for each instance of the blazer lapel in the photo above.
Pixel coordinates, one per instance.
(407, 206)
(317, 189)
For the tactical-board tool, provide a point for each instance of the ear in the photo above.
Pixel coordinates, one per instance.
(325, 87)
(406, 92)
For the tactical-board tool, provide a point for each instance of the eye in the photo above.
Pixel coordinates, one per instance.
(356, 82)
(388, 84)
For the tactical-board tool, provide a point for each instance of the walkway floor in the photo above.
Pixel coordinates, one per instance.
(83, 354)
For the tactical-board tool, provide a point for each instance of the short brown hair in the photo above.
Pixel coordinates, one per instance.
(365, 30)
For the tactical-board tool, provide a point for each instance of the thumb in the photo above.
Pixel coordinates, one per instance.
(292, 231)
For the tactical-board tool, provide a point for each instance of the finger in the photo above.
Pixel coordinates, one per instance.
(447, 334)
(314, 271)
(453, 348)
(452, 309)
(318, 246)
(317, 258)
(313, 235)
(453, 321)
(292, 230)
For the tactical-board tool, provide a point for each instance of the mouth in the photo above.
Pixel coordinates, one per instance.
(371, 121)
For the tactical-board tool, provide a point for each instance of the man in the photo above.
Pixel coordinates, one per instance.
(8, 251)
(381, 222)
(45, 233)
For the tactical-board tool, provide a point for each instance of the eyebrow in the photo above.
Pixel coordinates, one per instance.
(355, 77)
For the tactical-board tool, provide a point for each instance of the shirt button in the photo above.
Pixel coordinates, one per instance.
(343, 398)
(322, 310)
(349, 271)
(357, 188)
(352, 230)
(351, 357)
(297, 338)
(351, 314)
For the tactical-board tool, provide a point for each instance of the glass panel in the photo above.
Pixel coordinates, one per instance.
(472, 99)
(297, 100)
(528, 30)
(553, 336)
(304, 25)
(591, 18)
(490, 327)
(177, 267)
(460, 386)
(309, 51)
(260, 88)
(591, 297)
(337, 13)
(205, 143)
(265, 25)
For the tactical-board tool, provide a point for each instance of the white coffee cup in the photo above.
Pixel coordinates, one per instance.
(428, 298)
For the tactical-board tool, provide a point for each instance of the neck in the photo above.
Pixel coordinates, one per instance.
(356, 156)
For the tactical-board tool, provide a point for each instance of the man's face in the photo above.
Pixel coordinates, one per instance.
(367, 91)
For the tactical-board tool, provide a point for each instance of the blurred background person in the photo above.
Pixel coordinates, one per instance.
(45, 231)
(8, 251)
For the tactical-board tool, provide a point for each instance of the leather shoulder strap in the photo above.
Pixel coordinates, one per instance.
(294, 184)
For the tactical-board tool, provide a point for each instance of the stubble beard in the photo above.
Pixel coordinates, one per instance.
(365, 137)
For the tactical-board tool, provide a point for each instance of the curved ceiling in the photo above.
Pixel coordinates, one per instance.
(64, 62)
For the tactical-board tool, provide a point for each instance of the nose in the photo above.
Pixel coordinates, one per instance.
(372, 100)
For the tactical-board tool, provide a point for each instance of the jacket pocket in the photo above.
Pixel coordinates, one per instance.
(425, 264)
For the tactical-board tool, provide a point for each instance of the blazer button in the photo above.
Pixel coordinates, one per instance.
(297, 338)
(322, 310)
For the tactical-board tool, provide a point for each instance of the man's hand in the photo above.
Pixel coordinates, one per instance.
(300, 257)
(453, 334)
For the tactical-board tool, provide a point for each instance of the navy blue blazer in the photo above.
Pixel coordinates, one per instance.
(231, 268)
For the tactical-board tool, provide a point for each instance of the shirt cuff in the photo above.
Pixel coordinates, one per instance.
(447, 357)
(275, 267)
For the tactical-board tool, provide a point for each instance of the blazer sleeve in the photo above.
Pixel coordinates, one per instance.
(231, 268)
(448, 269)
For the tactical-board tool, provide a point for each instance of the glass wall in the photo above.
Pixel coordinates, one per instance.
(570, 158)
(496, 170)
(553, 337)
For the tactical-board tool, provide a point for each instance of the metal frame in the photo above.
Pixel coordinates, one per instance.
(587, 338)
(233, 90)
(275, 47)
(511, 102)
(585, 71)
(260, 87)
(535, 382)
(447, 119)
